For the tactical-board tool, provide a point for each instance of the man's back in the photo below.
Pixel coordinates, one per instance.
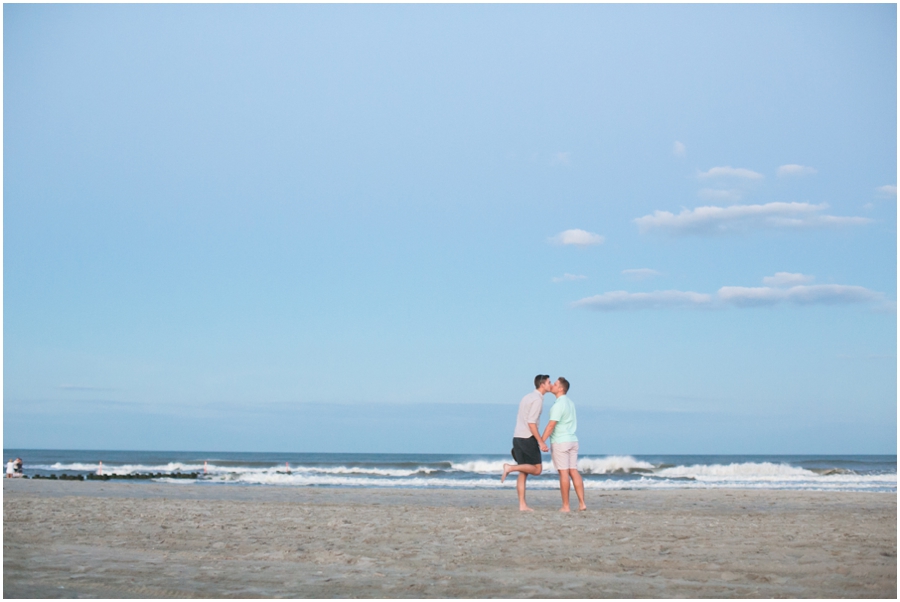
(529, 412)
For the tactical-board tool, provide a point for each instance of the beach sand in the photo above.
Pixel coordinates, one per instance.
(115, 539)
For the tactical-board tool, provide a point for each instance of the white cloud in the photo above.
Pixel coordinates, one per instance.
(561, 158)
(568, 278)
(678, 149)
(655, 300)
(731, 172)
(887, 191)
(714, 194)
(640, 273)
(580, 238)
(722, 219)
(787, 279)
(67, 387)
(800, 294)
(783, 287)
(796, 170)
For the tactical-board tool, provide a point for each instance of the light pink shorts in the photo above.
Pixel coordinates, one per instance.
(565, 455)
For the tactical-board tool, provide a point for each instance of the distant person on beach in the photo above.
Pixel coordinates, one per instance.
(17, 468)
(527, 442)
(564, 443)
(9, 469)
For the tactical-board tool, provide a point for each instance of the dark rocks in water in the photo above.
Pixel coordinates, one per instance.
(144, 476)
(828, 472)
(107, 477)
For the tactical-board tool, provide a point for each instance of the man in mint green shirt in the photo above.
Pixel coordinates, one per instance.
(564, 443)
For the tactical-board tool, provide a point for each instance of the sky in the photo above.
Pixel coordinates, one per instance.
(360, 228)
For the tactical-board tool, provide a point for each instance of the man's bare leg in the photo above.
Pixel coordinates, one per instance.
(579, 487)
(520, 489)
(534, 469)
(564, 489)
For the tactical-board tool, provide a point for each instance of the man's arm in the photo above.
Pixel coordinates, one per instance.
(534, 432)
(549, 430)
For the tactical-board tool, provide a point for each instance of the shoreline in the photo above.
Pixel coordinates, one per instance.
(120, 539)
(434, 496)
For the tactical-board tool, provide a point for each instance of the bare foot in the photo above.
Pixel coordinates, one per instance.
(564, 510)
(505, 472)
(580, 508)
(525, 509)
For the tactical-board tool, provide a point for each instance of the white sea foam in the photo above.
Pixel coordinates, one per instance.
(744, 470)
(352, 481)
(613, 464)
(859, 483)
(387, 472)
(480, 466)
(606, 465)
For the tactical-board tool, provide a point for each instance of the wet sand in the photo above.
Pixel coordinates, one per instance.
(114, 539)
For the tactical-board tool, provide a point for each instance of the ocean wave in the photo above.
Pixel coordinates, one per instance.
(212, 469)
(358, 470)
(480, 466)
(614, 465)
(766, 470)
(120, 469)
(604, 472)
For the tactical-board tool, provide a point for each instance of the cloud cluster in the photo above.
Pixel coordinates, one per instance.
(712, 219)
(795, 170)
(728, 185)
(783, 287)
(579, 238)
(568, 278)
(730, 172)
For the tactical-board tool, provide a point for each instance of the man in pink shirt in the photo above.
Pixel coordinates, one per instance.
(527, 442)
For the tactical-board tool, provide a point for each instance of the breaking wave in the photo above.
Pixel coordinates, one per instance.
(611, 472)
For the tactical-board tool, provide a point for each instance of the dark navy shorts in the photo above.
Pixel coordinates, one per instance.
(526, 451)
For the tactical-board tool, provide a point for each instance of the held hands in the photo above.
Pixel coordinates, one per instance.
(544, 447)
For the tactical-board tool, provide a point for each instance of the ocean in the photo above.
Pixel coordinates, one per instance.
(472, 471)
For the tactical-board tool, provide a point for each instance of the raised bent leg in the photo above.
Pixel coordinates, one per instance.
(534, 469)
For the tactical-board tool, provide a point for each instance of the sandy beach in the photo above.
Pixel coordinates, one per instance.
(114, 539)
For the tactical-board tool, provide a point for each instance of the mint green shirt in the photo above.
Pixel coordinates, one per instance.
(563, 412)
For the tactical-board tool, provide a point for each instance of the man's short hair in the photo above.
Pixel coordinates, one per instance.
(539, 380)
(564, 383)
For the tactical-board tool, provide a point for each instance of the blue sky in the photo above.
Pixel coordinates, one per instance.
(366, 228)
